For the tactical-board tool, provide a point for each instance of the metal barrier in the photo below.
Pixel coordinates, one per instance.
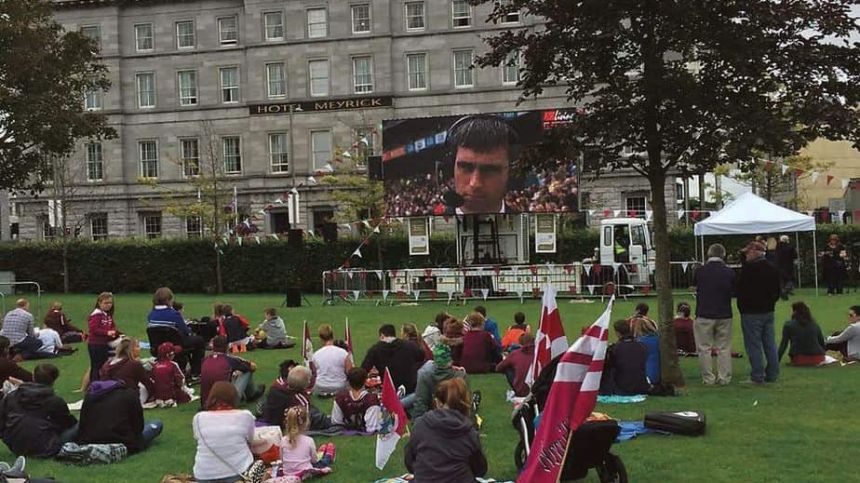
(499, 281)
(38, 314)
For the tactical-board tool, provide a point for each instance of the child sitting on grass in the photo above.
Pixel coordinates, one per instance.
(355, 408)
(511, 339)
(168, 381)
(298, 454)
(274, 334)
(624, 367)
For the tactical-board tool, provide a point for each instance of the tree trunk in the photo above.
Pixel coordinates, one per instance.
(65, 263)
(219, 286)
(671, 371)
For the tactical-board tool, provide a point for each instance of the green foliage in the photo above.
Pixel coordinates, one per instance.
(135, 265)
(44, 76)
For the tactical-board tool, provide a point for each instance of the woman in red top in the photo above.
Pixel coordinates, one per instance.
(126, 367)
(103, 331)
(480, 353)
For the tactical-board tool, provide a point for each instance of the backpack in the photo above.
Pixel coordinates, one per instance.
(689, 423)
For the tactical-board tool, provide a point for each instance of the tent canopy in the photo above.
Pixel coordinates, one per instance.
(749, 214)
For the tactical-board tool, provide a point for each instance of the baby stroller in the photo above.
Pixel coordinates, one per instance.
(590, 444)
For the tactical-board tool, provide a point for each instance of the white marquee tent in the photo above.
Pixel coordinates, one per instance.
(751, 215)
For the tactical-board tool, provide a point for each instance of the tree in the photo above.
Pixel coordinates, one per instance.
(45, 74)
(778, 180)
(684, 86)
(204, 194)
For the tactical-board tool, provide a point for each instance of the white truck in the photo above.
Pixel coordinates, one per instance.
(625, 245)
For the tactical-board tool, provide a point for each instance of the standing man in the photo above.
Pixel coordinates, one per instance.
(758, 291)
(785, 258)
(715, 286)
(18, 327)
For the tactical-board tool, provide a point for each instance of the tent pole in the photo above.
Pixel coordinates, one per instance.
(815, 260)
(797, 266)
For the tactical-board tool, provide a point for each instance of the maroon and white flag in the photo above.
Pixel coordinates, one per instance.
(571, 399)
(550, 340)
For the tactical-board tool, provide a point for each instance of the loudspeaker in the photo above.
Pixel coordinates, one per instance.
(329, 232)
(295, 239)
(294, 297)
(374, 168)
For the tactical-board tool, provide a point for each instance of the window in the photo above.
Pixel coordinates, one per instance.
(636, 206)
(463, 68)
(361, 18)
(93, 100)
(98, 226)
(232, 154)
(189, 151)
(416, 71)
(185, 35)
(414, 15)
(95, 165)
(362, 74)
(279, 221)
(318, 73)
(637, 235)
(229, 84)
(145, 90)
(321, 147)
(193, 227)
(94, 32)
(278, 152)
(276, 80)
(187, 88)
(511, 16)
(461, 13)
(274, 24)
(317, 23)
(511, 69)
(228, 30)
(151, 225)
(143, 37)
(323, 217)
(148, 152)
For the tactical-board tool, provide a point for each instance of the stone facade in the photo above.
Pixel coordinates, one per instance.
(140, 42)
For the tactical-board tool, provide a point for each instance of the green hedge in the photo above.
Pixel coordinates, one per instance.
(189, 265)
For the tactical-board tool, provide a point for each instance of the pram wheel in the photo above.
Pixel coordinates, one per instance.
(520, 455)
(612, 470)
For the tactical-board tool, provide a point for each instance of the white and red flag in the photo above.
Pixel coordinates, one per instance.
(571, 399)
(393, 425)
(307, 344)
(550, 340)
(347, 338)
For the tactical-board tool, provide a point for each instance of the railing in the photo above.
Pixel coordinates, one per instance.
(499, 281)
(38, 314)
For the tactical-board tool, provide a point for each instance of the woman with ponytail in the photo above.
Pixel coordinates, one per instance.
(298, 452)
(444, 446)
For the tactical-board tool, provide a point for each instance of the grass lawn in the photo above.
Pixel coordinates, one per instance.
(796, 430)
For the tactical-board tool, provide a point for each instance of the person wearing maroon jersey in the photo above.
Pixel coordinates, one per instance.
(355, 408)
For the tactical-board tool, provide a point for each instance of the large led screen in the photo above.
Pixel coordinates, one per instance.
(437, 166)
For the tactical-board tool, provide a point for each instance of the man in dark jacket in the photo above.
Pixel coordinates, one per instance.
(400, 357)
(624, 367)
(785, 257)
(758, 291)
(112, 413)
(288, 391)
(715, 286)
(33, 420)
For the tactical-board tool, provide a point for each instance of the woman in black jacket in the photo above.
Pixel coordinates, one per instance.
(444, 446)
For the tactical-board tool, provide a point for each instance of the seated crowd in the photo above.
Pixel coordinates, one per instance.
(430, 372)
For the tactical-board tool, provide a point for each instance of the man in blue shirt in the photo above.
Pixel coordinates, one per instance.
(164, 315)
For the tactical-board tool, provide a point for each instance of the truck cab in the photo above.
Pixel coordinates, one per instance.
(627, 241)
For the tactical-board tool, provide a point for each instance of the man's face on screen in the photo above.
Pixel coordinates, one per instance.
(481, 178)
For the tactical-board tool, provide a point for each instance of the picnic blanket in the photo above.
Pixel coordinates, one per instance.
(632, 429)
(77, 405)
(89, 454)
(407, 478)
(614, 399)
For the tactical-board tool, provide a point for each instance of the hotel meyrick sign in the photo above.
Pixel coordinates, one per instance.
(321, 105)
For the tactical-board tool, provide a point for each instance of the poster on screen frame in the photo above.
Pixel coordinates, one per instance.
(471, 164)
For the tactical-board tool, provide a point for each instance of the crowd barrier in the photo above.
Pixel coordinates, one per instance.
(499, 281)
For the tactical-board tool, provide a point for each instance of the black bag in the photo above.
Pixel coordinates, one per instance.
(689, 423)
